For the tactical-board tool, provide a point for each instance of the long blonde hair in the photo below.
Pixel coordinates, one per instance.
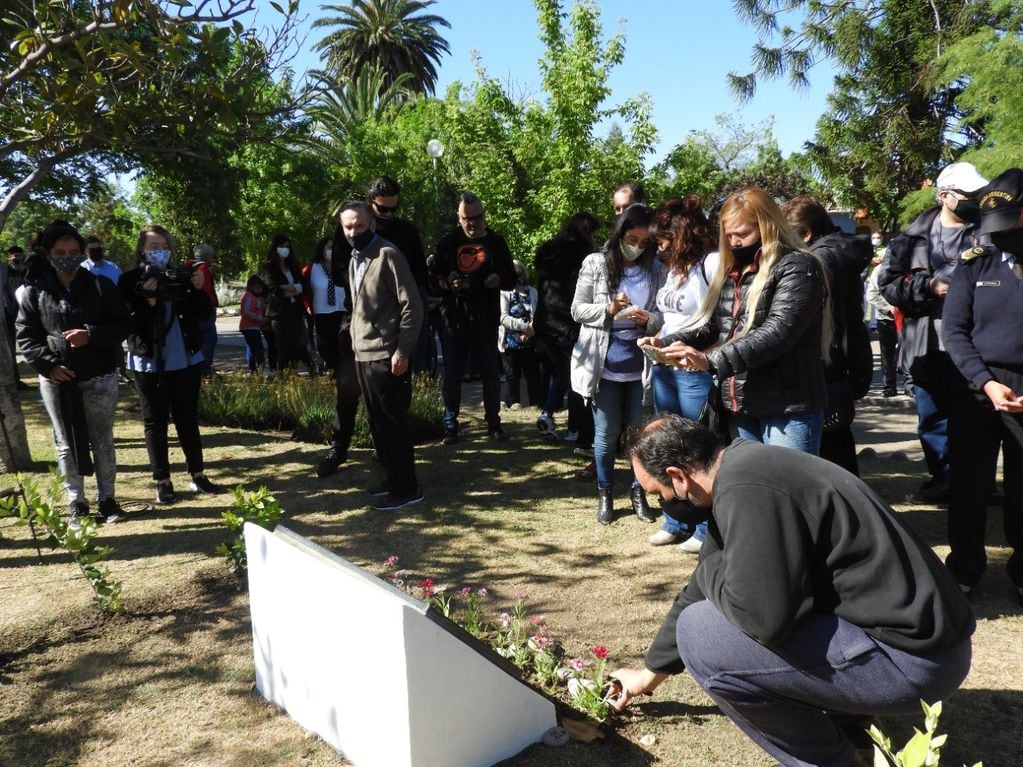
(777, 237)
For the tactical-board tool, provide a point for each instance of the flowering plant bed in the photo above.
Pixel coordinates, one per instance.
(580, 681)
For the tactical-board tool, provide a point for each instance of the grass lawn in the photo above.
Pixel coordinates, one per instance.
(171, 682)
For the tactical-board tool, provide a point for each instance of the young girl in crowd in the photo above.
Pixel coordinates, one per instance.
(325, 299)
(252, 321)
(515, 340)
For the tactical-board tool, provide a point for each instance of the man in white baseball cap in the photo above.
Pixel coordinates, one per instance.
(914, 278)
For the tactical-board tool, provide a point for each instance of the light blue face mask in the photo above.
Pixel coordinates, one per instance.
(158, 258)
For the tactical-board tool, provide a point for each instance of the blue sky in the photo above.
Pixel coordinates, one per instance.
(679, 51)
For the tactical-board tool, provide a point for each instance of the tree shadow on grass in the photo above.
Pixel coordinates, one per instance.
(69, 696)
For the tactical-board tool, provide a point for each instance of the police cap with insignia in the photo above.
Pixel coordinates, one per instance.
(1001, 202)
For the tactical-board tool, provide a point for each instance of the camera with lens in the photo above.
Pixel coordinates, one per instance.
(171, 283)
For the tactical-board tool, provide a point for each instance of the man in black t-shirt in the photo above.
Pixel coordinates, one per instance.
(471, 267)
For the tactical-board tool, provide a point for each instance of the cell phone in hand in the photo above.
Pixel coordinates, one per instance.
(657, 356)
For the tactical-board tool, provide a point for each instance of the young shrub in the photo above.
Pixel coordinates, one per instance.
(259, 507)
(29, 508)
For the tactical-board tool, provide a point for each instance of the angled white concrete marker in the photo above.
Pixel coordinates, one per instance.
(372, 671)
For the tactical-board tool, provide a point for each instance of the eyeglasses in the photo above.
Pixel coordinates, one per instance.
(385, 208)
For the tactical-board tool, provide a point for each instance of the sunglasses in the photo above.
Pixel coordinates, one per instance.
(385, 208)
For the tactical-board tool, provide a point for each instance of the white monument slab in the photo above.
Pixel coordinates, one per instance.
(374, 672)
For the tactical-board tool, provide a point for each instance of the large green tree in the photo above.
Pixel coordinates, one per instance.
(94, 87)
(392, 37)
(988, 68)
(891, 120)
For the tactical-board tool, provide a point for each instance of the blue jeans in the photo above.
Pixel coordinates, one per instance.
(684, 393)
(791, 699)
(457, 344)
(209, 342)
(932, 428)
(799, 432)
(616, 406)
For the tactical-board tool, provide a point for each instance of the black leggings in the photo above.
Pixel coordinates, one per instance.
(171, 394)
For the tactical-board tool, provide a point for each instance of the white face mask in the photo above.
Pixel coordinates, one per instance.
(876, 242)
(158, 258)
(283, 252)
(630, 252)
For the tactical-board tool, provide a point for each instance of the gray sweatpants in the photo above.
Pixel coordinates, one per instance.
(99, 397)
(790, 699)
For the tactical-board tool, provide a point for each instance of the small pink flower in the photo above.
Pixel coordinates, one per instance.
(465, 591)
(578, 664)
(536, 620)
(521, 597)
(483, 592)
(600, 652)
(391, 561)
(505, 619)
(540, 642)
(398, 582)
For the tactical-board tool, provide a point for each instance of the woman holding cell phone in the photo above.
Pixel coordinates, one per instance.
(615, 304)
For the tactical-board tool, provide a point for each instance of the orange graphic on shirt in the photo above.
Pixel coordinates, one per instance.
(470, 257)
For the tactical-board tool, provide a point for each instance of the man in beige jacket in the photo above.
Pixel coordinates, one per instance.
(387, 315)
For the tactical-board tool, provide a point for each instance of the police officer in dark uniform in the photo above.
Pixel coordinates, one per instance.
(981, 333)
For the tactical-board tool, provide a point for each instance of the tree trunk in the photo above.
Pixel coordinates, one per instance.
(13, 456)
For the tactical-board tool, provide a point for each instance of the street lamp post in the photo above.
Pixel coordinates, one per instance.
(435, 149)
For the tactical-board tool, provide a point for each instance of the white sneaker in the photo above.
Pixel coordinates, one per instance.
(662, 538)
(691, 545)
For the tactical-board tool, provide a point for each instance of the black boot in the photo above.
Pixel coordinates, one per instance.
(639, 505)
(605, 506)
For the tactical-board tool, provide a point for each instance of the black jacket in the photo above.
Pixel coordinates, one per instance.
(473, 261)
(791, 535)
(777, 368)
(903, 281)
(851, 359)
(46, 309)
(981, 319)
(405, 237)
(148, 326)
(557, 266)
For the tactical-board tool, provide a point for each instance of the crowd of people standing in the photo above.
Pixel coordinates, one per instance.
(747, 318)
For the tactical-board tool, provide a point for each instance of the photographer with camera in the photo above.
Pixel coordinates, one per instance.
(168, 307)
(70, 327)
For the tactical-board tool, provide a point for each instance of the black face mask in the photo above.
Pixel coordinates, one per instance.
(968, 210)
(744, 256)
(361, 240)
(1010, 241)
(685, 511)
(96, 255)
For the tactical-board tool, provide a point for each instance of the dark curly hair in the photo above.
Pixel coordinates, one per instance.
(681, 221)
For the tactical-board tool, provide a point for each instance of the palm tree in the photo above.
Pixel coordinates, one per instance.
(333, 109)
(385, 35)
